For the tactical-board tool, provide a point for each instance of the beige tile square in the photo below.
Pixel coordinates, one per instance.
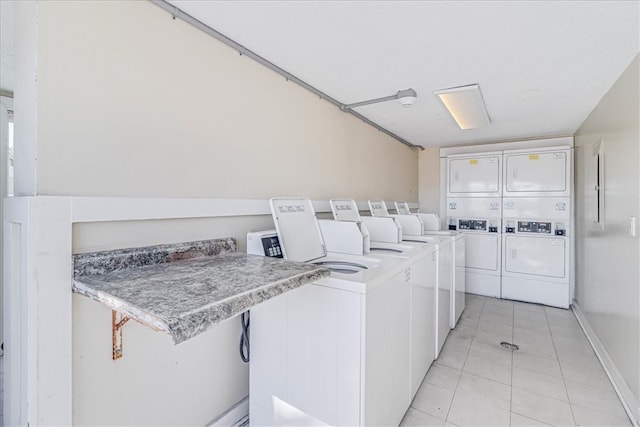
(542, 408)
(416, 418)
(433, 400)
(589, 375)
(452, 359)
(599, 399)
(468, 411)
(580, 356)
(492, 337)
(539, 383)
(531, 324)
(527, 306)
(520, 421)
(495, 327)
(491, 369)
(543, 365)
(529, 336)
(537, 349)
(443, 376)
(490, 392)
(457, 343)
(576, 344)
(590, 417)
(493, 352)
(463, 332)
(498, 305)
(560, 332)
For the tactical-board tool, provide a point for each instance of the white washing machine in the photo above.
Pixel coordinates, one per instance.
(474, 175)
(336, 351)
(459, 288)
(384, 239)
(431, 227)
(410, 230)
(479, 219)
(537, 250)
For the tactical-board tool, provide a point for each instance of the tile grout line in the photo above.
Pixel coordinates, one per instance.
(475, 330)
(566, 391)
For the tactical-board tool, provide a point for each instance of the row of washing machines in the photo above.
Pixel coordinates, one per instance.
(353, 348)
(515, 209)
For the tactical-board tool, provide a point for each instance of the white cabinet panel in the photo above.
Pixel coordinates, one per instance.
(537, 256)
(423, 281)
(443, 295)
(387, 359)
(475, 176)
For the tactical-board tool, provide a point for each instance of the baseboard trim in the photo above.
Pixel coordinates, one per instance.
(236, 416)
(627, 398)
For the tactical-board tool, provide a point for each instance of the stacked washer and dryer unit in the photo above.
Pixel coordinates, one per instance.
(515, 207)
(537, 250)
(474, 207)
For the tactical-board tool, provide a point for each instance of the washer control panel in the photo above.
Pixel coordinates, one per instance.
(472, 224)
(534, 227)
(480, 225)
(548, 228)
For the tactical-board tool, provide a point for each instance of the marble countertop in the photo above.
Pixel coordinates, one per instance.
(185, 289)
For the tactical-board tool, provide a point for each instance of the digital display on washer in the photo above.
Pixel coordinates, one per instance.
(472, 224)
(534, 227)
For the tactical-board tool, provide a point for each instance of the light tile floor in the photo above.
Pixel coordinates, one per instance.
(553, 379)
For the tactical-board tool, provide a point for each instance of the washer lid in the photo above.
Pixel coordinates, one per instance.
(298, 228)
(378, 208)
(345, 210)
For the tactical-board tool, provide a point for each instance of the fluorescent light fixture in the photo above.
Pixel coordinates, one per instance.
(466, 105)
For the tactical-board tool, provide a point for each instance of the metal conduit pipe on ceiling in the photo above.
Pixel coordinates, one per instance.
(177, 13)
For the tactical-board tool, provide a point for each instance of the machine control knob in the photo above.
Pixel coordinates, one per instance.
(493, 229)
(452, 227)
(559, 232)
(511, 230)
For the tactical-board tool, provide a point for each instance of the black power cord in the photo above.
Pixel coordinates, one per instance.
(244, 338)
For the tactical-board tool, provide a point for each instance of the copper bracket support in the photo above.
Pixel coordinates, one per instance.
(117, 322)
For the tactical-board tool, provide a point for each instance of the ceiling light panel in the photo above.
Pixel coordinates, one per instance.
(466, 105)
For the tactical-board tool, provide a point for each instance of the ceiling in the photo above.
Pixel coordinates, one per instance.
(542, 66)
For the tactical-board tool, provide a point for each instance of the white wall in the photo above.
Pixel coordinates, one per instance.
(182, 115)
(429, 180)
(130, 102)
(607, 282)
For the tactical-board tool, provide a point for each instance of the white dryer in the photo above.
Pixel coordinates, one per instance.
(479, 219)
(336, 351)
(474, 175)
(545, 172)
(537, 250)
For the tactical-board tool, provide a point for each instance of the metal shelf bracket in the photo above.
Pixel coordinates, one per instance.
(117, 323)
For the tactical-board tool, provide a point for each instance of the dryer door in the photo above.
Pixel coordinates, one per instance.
(482, 251)
(475, 176)
(536, 256)
(541, 173)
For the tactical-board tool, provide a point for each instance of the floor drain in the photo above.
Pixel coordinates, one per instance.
(509, 346)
